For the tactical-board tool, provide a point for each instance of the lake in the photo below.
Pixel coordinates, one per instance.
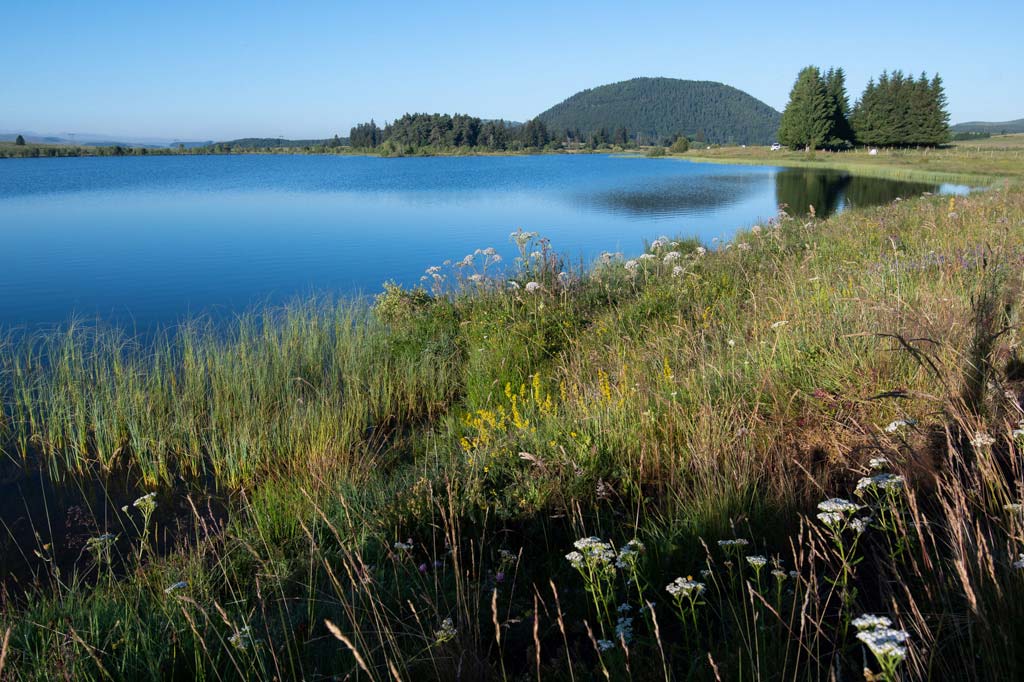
(147, 241)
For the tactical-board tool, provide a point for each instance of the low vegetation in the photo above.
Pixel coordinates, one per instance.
(793, 456)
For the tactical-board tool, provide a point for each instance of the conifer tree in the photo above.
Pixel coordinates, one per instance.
(810, 115)
(20, 141)
(835, 84)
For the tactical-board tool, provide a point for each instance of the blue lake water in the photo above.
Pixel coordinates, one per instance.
(146, 241)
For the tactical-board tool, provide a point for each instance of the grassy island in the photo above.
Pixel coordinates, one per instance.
(793, 456)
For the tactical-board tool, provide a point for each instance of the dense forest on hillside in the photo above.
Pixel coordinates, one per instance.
(657, 110)
(418, 133)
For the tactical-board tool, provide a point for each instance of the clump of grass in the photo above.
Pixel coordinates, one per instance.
(744, 449)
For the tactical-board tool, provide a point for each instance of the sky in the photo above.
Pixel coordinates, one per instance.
(221, 69)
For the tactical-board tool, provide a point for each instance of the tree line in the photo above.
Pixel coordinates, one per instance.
(414, 133)
(894, 111)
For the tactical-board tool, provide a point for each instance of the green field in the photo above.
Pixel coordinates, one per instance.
(395, 490)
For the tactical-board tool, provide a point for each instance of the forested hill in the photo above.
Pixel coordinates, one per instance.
(660, 108)
(993, 128)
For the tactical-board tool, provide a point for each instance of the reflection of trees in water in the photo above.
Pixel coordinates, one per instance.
(829, 190)
(679, 195)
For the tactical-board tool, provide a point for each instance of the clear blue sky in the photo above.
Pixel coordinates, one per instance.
(217, 70)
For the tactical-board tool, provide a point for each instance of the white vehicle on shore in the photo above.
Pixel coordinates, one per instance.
(776, 147)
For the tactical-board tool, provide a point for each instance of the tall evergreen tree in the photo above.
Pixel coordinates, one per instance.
(20, 141)
(835, 84)
(810, 114)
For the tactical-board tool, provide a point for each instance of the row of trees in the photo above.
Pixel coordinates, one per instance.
(413, 132)
(896, 111)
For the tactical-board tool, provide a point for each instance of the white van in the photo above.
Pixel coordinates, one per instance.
(776, 147)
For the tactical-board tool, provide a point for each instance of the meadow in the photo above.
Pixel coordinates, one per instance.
(793, 456)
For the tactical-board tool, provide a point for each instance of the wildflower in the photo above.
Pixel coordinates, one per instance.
(1014, 508)
(658, 243)
(671, 257)
(563, 277)
(513, 285)
(886, 644)
(700, 251)
(861, 524)
(678, 271)
(506, 556)
(242, 639)
(532, 287)
(779, 324)
(594, 550)
(743, 246)
(605, 644)
(403, 546)
(146, 502)
(629, 553)
(981, 439)
(575, 558)
(624, 608)
(868, 621)
(522, 238)
(466, 261)
(632, 266)
(883, 482)
(624, 629)
(728, 544)
(433, 270)
(684, 587)
(422, 568)
(779, 574)
(831, 519)
(838, 505)
(646, 256)
(732, 343)
(878, 463)
(499, 577)
(476, 277)
(180, 585)
(757, 561)
(895, 426)
(756, 229)
(446, 633)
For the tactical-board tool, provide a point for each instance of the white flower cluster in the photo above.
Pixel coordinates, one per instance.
(403, 546)
(447, 631)
(684, 587)
(878, 463)
(758, 561)
(884, 642)
(880, 482)
(729, 544)
(146, 502)
(632, 266)
(982, 439)
(532, 287)
(592, 550)
(678, 271)
(895, 426)
(522, 238)
(629, 553)
(1019, 563)
(838, 505)
(671, 257)
(624, 629)
(242, 639)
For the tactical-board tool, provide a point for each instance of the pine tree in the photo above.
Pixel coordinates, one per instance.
(938, 119)
(835, 84)
(810, 115)
(20, 141)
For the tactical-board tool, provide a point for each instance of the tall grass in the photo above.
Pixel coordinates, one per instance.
(406, 481)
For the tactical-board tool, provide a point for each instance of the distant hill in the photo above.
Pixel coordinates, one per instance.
(991, 128)
(270, 142)
(662, 107)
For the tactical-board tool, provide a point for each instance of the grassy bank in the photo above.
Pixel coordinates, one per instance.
(977, 162)
(615, 473)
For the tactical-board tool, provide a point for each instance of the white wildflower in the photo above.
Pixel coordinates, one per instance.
(671, 257)
(861, 524)
(684, 587)
(757, 561)
(779, 324)
(446, 633)
(700, 251)
(632, 266)
(895, 426)
(241, 639)
(401, 546)
(883, 482)
(646, 256)
(678, 271)
(878, 463)
(532, 287)
(830, 519)
(869, 621)
(728, 544)
(838, 505)
(982, 439)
